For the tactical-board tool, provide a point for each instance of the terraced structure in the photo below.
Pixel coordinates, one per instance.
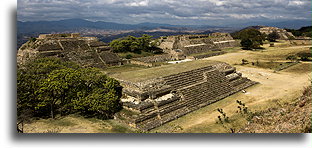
(155, 96)
(86, 51)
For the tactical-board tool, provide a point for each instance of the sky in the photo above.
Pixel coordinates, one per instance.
(186, 12)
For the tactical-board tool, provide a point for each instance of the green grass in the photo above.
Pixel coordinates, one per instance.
(232, 49)
(123, 68)
(115, 127)
(204, 53)
(277, 66)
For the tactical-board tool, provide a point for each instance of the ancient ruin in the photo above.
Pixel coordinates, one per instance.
(155, 96)
(87, 51)
(185, 46)
(283, 34)
(190, 44)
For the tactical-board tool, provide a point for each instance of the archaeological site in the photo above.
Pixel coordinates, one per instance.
(194, 71)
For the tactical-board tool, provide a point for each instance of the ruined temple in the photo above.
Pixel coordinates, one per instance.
(283, 34)
(86, 51)
(155, 96)
(190, 44)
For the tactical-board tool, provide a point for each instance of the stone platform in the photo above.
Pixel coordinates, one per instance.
(153, 101)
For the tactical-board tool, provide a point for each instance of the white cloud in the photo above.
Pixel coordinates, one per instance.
(163, 11)
(138, 3)
(296, 3)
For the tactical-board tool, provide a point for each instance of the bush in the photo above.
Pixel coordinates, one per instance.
(244, 61)
(128, 56)
(304, 56)
(32, 39)
(292, 58)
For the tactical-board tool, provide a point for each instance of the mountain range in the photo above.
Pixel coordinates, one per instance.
(78, 24)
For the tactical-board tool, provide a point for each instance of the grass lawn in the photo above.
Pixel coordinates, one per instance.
(123, 68)
(135, 55)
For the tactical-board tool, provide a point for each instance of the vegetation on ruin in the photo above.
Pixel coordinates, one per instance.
(32, 39)
(135, 45)
(303, 31)
(48, 87)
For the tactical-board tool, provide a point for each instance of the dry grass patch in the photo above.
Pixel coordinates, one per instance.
(164, 70)
(76, 124)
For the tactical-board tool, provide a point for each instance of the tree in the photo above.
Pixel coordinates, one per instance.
(133, 44)
(55, 89)
(100, 94)
(51, 86)
(250, 35)
(272, 37)
(246, 43)
(29, 77)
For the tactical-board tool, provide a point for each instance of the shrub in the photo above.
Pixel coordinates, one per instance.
(244, 61)
(128, 56)
(32, 39)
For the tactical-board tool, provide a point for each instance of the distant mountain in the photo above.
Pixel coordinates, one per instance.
(77, 24)
(292, 24)
(68, 25)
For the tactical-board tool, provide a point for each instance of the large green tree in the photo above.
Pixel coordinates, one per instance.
(250, 35)
(272, 37)
(50, 86)
(134, 44)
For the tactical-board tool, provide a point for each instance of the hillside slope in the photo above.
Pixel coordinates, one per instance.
(285, 118)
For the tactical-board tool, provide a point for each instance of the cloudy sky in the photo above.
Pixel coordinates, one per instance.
(212, 12)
